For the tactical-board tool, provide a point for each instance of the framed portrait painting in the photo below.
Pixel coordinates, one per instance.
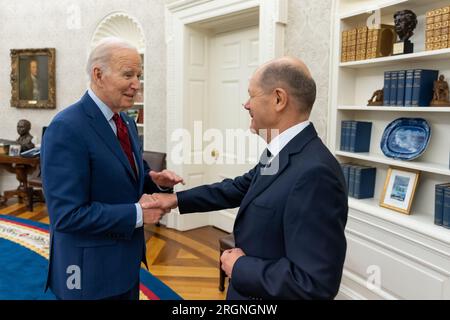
(33, 78)
(399, 189)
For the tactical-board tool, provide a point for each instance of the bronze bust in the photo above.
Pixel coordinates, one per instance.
(405, 23)
(25, 138)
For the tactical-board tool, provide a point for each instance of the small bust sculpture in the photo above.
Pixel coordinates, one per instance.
(405, 23)
(440, 92)
(25, 138)
(377, 98)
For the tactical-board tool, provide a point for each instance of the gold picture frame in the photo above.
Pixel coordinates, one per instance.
(399, 189)
(33, 78)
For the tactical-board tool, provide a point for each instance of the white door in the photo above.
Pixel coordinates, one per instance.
(233, 57)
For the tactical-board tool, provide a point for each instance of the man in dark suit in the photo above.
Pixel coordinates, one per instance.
(289, 231)
(94, 178)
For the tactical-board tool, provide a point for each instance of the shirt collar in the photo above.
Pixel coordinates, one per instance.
(280, 141)
(107, 112)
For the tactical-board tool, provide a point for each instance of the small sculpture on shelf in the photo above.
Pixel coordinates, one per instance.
(376, 99)
(405, 23)
(25, 138)
(440, 93)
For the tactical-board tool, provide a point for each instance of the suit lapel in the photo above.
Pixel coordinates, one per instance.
(262, 182)
(98, 122)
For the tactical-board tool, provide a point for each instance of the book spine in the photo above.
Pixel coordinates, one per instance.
(367, 188)
(351, 181)
(393, 93)
(362, 136)
(409, 80)
(438, 205)
(352, 134)
(446, 214)
(387, 88)
(343, 128)
(416, 87)
(401, 88)
(357, 187)
(426, 87)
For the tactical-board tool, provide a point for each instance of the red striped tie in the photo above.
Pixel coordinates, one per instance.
(124, 139)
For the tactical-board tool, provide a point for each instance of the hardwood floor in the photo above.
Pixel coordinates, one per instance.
(188, 262)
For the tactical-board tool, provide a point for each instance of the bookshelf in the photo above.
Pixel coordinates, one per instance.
(351, 85)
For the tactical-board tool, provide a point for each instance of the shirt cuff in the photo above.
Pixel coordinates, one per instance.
(139, 221)
(162, 189)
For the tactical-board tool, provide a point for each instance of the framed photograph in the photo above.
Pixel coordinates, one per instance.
(14, 150)
(33, 78)
(399, 189)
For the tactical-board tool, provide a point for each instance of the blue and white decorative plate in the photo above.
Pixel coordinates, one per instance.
(405, 138)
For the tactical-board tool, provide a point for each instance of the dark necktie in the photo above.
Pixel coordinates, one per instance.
(124, 139)
(263, 163)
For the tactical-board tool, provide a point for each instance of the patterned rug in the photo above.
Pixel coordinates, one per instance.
(24, 248)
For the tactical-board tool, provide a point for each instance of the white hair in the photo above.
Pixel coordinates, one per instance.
(100, 55)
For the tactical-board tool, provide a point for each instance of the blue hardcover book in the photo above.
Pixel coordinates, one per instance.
(439, 203)
(401, 77)
(446, 215)
(364, 182)
(342, 144)
(360, 136)
(346, 171)
(423, 87)
(387, 88)
(409, 80)
(351, 181)
(393, 93)
(345, 135)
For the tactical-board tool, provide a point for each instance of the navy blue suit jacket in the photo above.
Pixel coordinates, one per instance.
(91, 192)
(290, 225)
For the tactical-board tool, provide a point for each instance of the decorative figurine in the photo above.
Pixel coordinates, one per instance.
(405, 23)
(25, 138)
(440, 93)
(378, 96)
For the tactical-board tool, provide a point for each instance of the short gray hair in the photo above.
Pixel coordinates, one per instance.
(100, 55)
(294, 80)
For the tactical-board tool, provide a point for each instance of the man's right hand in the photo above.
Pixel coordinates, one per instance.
(152, 210)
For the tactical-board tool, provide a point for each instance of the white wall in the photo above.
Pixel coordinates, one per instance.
(308, 37)
(44, 23)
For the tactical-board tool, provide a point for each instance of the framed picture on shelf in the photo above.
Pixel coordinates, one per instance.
(33, 78)
(399, 189)
(14, 150)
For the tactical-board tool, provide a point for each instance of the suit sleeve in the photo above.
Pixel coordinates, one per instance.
(66, 171)
(222, 195)
(313, 224)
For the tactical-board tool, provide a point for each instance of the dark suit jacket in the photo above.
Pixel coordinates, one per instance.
(90, 190)
(290, 225)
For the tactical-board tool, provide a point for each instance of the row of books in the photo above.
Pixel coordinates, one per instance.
(437, 29)
(364, 43)
(355, 136)
(360, 180)
(409, 88)
(442, 205)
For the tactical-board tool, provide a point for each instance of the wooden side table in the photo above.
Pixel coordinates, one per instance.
(22, 167)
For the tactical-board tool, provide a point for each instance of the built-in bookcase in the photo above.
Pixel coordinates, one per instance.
(352, 84)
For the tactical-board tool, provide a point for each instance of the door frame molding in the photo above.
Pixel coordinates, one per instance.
(180, 13)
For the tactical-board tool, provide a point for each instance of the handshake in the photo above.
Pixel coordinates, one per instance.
(155, 206)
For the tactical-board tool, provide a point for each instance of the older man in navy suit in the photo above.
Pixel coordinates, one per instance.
(94, 178)
(289, 231)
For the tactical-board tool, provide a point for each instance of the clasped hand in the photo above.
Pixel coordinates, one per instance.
(155, 206)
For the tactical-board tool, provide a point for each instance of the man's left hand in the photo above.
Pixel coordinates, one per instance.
(229, 258)
(165, 178)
